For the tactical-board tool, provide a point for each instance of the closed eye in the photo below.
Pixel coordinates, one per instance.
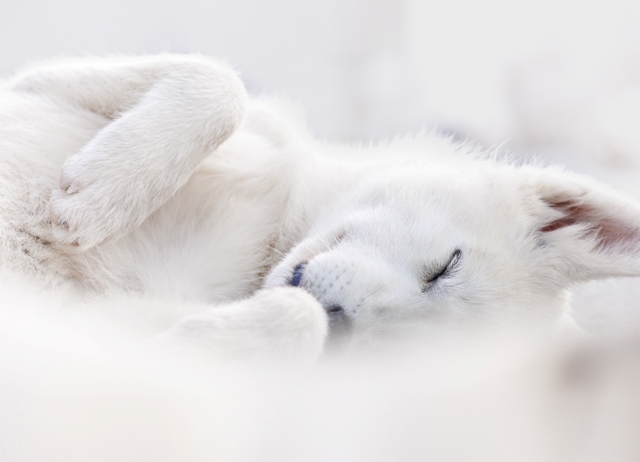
(431, 275)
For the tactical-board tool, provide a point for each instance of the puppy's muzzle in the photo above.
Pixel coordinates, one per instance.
(339, 321)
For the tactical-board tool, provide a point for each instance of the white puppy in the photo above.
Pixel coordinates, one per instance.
(157, 182)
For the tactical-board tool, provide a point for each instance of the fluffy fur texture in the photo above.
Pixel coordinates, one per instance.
(156, 181)
(150, 198)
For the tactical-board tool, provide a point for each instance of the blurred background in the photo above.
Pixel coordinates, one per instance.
(536, 74)
(558, 80)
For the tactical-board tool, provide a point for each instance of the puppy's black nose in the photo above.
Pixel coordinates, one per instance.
(296, 277)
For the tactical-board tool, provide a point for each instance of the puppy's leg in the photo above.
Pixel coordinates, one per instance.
(168, 113)
(280, 323)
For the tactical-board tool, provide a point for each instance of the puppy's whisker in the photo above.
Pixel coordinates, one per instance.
(355, 271)
(371, 294)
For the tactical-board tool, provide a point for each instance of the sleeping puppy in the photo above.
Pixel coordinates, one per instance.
(157, 184)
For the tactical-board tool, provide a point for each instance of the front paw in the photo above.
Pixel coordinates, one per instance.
(93, 205)
(106, 190)
(87, 215)
(284, 323)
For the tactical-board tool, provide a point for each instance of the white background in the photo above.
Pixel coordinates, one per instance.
(370, 69)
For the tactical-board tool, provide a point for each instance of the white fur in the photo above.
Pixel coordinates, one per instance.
(149, 198)
(156, 181)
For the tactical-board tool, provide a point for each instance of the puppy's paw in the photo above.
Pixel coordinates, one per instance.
(106, 190)
(284, 323)
(93, 203)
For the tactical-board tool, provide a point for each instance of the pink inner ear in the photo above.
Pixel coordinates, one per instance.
(571, 211)
(608, 231)
(561, 223)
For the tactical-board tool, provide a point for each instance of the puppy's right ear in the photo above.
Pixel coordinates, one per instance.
(590, 231)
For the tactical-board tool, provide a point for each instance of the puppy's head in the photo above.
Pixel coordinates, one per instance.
(487, 245)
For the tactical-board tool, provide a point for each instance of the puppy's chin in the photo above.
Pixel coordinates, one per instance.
(339, 333)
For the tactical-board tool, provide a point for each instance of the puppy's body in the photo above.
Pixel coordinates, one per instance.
(190, 207)
(157, 177)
